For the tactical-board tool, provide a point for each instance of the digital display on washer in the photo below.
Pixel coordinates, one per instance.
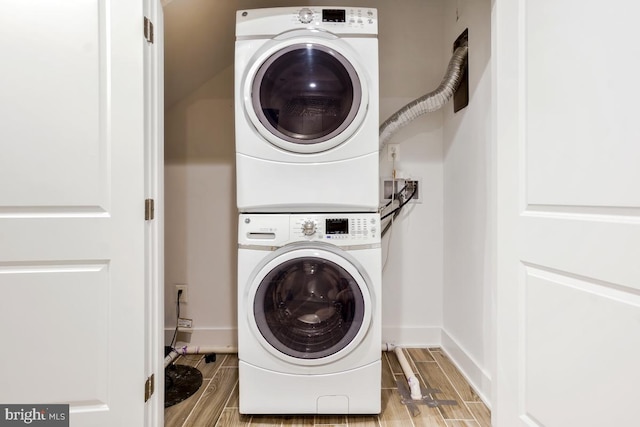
(333, 15)
(337, 226)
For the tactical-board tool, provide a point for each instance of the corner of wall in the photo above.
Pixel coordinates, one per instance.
(403, 336)
(477, 376)
(469, 197)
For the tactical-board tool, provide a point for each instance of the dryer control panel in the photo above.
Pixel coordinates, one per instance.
(351, 17)
(339, 20)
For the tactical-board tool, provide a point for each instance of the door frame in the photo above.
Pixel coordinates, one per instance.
(506, 107)
(154, 227)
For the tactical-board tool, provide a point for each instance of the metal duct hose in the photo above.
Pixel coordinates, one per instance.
(427, 103)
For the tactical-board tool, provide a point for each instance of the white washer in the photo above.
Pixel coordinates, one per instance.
(306, 109)
(309, 313)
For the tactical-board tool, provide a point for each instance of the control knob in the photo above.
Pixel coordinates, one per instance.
(309, 228)
(305, 15)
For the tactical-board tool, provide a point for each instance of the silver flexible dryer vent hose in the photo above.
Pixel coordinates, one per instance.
(427, 103)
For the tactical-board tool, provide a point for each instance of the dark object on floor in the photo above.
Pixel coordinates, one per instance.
(180, 382)
(209, 358)
(167, 350)
(427, 399)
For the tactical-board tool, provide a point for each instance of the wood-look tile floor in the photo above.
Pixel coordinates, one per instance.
(216, 402)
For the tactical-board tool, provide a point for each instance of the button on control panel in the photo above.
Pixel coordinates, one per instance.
(309, 227)
(305, 15)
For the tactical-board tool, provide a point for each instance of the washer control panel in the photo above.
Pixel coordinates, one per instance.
(336, 228)
(341, 229)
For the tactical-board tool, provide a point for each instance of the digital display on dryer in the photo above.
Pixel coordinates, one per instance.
(333, 15)
(337, 226)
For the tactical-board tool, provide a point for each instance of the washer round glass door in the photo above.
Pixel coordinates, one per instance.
(308, 97)
(310, 304)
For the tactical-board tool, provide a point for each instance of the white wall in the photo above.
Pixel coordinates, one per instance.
(200, 189)
(469, 197)
(411, 64)
(200, 235)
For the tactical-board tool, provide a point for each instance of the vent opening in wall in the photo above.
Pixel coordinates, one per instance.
(461, 95)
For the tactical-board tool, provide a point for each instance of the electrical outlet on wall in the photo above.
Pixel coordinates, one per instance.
(184, 297)
(185, 323)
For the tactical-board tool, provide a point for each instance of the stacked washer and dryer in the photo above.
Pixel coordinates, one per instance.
(309, 254)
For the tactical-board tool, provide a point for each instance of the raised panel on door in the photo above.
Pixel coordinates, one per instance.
(580, 351)
(65, 353)
(72, 256)
(55, 108)
(581, 104)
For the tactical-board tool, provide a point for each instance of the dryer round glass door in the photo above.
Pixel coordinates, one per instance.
(307, 95)
(311, 307)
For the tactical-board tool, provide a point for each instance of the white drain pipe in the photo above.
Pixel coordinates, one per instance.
(414, 384)
(412, 380)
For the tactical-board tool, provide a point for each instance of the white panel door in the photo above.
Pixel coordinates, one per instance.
(568, 152)
(72, 253)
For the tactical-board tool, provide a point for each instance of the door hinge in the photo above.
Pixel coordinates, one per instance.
(149, 387)
(148, 29)
(149, 209)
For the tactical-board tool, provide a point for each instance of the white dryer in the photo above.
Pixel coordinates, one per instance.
(309, 325)
(306, 109)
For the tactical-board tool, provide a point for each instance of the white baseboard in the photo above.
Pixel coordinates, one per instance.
(217, 337)
(477, 376)
(406, 337)
(412, 337)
